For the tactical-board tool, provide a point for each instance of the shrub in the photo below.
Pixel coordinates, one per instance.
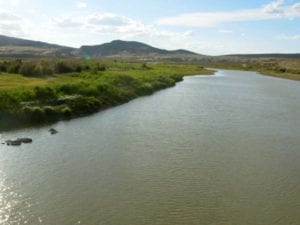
(66, 111)
(124, 81)
(64, 67)
(36, 68)
(102, 67)
(44, 93)
(48, 67)
(3, 66)
(14, 66)
(145, 89)
(282, 70)
(30, 69)
(50, 112)
(34, 114)
(68, 89)
(83, 105)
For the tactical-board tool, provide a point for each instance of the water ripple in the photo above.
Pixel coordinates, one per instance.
(14, 208)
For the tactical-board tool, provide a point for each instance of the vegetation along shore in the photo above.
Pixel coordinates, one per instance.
(288, 68)
(39, 91)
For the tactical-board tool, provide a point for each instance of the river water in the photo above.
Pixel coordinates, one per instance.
(213, 150)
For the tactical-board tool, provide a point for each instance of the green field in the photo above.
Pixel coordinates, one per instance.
(38, 92)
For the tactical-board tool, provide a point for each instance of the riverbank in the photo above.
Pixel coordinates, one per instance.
(27, 100)
(282, 68)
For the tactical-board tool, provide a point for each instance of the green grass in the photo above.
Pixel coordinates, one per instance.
(8, 81)
(27, 101)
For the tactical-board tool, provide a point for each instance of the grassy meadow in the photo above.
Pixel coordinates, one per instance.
(42, 91)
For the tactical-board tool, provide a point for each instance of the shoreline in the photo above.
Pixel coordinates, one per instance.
(289, 76)
(90, 104)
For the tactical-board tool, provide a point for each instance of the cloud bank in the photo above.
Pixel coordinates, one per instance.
(274, 10)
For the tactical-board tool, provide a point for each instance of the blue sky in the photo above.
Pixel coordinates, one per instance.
(210, 27)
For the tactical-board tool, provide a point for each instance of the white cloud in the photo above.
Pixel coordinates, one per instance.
(109, 20)
(188, 33)
(295, 37)
(273, 7)
(99, 27)
(225, 31)
(81, 5)
(9, 2)
(274, 10)
(11, 24)
(7, 16)
(102, 23)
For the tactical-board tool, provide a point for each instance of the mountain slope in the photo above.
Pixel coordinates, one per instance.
(17, 47)
(11, 41)
(132, 49)
(119, 47)
(11, 47)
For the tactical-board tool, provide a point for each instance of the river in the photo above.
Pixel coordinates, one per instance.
(213, 150)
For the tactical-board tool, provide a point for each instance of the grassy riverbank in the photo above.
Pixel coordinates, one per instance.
(38, 92)
(283, 68)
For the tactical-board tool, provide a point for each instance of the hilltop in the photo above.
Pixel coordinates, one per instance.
(133, 49)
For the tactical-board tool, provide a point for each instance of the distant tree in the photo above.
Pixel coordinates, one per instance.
(14, 66)
(282, 70)
(64, 67)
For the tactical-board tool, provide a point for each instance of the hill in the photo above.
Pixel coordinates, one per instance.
(11, 47)
(134, 50)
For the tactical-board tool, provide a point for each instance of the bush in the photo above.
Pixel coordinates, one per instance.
(50, 112)
(66, 111)
(44, 93)
(14, 66)
(102, 67)
(64, 67)
(145, 89)
(3, 66)
(124, 81)
(30, 69)
(36, 68)
(34, 114)
(98, 67)
(282, 70)
(48, 67)
(83, 105)
(68, 89)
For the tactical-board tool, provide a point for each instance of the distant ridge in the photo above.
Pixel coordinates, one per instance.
(11, 47)
(128, 48)
(11, 41)
(17, 47)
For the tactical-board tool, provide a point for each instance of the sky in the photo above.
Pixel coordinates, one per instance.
(211, 27)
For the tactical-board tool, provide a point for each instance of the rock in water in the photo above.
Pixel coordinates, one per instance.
(14, 142)
(53, 131)
(25, 140)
